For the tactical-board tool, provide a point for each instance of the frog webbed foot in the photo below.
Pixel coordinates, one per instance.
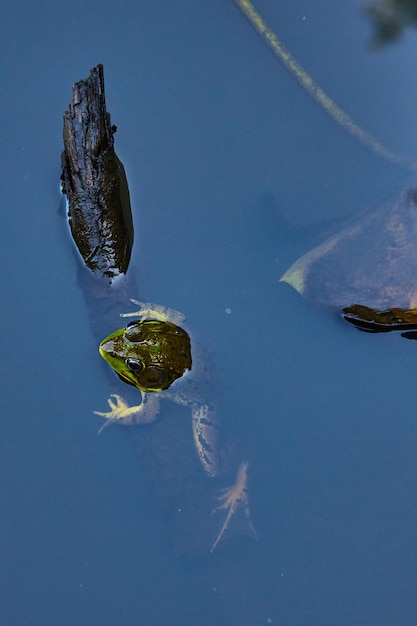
(121, 413)
(234, 504)
(159, 312)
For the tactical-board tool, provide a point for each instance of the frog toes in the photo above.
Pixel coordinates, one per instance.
(118, 408)
(159, 312)
(234, 506)
(121, 413)
(115, 407)
(143, 310)
(104, 425)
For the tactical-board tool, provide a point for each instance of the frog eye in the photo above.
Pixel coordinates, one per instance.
(135, 365)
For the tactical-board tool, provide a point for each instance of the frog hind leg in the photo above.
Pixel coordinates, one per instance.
(206, 438)
(234, 504)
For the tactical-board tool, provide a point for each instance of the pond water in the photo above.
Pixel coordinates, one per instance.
(233, 172)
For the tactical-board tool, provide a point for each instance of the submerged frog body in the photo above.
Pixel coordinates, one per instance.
(153, 354)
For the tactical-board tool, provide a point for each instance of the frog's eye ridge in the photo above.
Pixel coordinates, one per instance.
(135, 365)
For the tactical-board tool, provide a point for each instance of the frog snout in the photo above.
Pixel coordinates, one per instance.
(106, 347)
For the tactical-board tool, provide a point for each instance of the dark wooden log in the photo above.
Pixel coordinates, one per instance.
(94, 181)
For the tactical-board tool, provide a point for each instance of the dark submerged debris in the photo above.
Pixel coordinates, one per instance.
(94, 181)
(376, 321)
(390, 18)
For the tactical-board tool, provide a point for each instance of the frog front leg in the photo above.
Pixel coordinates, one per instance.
(159, 312)
(121, 413)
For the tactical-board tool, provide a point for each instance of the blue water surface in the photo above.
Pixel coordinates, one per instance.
(233, 170)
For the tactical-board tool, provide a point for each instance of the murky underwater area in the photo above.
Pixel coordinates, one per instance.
(234, 172)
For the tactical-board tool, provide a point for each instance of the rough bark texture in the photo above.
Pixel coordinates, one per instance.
(94, 181)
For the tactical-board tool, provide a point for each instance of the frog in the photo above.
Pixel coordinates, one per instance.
(153, 353)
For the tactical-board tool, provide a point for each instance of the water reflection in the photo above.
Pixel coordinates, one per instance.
(390, 18)
(210, 124)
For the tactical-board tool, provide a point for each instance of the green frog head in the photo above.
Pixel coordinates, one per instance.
(149, 354)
